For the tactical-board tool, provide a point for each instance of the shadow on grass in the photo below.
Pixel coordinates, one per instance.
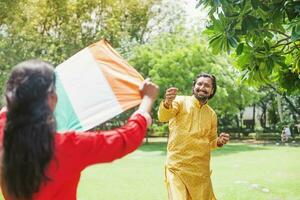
(228, 149)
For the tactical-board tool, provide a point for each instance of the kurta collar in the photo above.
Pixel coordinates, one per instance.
(196, 102)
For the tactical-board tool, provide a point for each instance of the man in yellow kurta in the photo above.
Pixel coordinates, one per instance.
(193, 134)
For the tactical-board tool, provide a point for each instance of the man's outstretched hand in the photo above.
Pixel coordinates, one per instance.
(222, 139)
(170, 95)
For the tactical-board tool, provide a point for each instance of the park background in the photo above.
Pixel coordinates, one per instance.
(251, 46)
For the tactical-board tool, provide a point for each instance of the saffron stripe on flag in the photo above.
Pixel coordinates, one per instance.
(123, 79)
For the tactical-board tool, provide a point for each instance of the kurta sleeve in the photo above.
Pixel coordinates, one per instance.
(213, 133)
(105, 146)
(165, 114)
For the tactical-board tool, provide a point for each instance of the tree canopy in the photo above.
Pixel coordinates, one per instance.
(54, 30)
(263, 36)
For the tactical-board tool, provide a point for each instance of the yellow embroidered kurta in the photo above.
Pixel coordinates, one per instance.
(193, 134)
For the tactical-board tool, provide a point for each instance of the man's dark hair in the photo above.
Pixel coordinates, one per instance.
(29, 128)
(213, 80)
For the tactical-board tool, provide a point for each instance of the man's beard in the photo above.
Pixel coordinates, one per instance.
(202, 98)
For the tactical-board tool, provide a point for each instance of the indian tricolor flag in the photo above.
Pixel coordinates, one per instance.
(93, 86)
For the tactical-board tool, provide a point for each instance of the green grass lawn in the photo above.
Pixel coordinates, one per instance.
(240, 172)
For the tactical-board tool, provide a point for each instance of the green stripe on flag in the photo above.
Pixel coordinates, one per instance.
(66, 118)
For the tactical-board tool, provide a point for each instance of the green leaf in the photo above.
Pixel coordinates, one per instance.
(291, 13)
(233, 42)
(214, 38)
(269, 64)
(217, 2)
(264, 7)
(243, 60)
(297, 29)
(266, 45)
(269, 34)
(226, 46)
(239, 49)
(249, 23)
(295, 33)
(233, 14)
(260, 55)
(217, 44)
(218, 25)
(255, 4)
(297, 8)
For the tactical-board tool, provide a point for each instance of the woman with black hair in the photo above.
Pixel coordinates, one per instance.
(39, 163)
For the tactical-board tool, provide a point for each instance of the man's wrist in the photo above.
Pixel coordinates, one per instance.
(219, 143)
(166, 104)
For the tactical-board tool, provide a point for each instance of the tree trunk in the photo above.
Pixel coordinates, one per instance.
(237, 121)
(238, 125)
(263, 117)
(253, 118)
(292, 106)
(241, 124)
(279, 107)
